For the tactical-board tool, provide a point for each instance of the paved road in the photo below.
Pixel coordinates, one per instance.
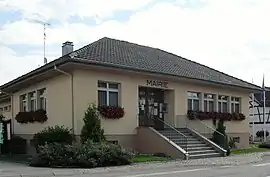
(252, 165)
(252, 170)
(260, 170)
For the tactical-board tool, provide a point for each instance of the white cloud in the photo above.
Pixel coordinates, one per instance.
(62, 9)
(231, 36)
(12, 65)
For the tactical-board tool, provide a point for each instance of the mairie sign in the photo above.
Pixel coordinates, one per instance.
(157, 83)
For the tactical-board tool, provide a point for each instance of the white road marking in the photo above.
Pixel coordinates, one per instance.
(226, 166)
(260, 165)
(167, 172)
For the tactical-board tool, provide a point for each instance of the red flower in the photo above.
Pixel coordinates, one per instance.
(111, 112)
(214, 115)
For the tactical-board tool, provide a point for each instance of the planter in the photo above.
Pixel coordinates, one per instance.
(32, 116)
(111, 112)
(215, 115)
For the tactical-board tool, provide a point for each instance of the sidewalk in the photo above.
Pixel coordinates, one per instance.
(14, 169)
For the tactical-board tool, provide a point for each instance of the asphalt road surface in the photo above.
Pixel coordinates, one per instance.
(257, 170)
(253, 170)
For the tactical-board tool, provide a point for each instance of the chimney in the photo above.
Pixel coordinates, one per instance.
(67, 48)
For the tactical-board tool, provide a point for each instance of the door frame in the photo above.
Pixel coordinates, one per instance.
(156, 95)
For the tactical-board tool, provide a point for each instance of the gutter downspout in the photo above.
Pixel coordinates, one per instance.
(12, 109)
(72, 96)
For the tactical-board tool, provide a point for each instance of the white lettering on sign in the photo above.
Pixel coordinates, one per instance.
(157, 83)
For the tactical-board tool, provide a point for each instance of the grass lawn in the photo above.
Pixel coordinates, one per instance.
(252, 148)
(149, 158)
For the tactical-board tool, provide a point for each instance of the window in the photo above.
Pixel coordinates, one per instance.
(209, 102)
(108, 94)
(222, 103)
(193, 101)
(23, 103)
(235, 104)
(1, 109)
(42, 99)
(113, 142)
(32, 101)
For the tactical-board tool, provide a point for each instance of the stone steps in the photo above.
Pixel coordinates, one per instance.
(206, 155)
(195, 147)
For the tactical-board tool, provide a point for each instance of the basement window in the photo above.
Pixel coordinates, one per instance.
(113, 142)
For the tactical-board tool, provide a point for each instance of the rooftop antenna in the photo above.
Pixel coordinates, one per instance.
(45, 24)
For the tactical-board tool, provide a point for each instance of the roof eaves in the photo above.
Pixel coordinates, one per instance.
(84, 61)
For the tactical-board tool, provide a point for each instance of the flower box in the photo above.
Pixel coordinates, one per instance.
(32, 116)
(111, 112)
(215, 115)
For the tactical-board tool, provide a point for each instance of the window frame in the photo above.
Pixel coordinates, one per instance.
(32, 97)
(208, 100)
(23, 103)
(221, 101)
(192, 98)
(108, 90)
(234, 103)
(42, 98)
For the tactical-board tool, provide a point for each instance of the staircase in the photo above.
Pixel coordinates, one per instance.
(195, 147)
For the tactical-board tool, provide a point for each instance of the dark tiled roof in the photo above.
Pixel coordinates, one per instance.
(129, 55)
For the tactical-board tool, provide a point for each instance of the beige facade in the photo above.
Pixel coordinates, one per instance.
(68, 97)
(58, 105)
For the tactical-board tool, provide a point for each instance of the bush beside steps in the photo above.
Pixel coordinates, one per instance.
(87, 155)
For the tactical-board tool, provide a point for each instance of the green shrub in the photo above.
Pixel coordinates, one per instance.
(260, 134)
(87, 155)
(221, 139)
(92, 127)
(56, 134)
(264, 145)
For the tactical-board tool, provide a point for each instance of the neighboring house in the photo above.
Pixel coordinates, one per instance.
(149, 83)
(258, 119)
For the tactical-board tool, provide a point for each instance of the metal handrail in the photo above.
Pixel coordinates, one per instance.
(152, 117)
(171, 127)
(210, 127)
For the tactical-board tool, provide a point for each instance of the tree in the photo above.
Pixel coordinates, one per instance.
(220, 137)
(92, 127)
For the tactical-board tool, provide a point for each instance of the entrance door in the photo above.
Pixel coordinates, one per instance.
(151, 102)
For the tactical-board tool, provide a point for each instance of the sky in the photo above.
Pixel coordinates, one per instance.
(232, 36)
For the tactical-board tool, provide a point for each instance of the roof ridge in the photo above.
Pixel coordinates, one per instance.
(184, 59)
